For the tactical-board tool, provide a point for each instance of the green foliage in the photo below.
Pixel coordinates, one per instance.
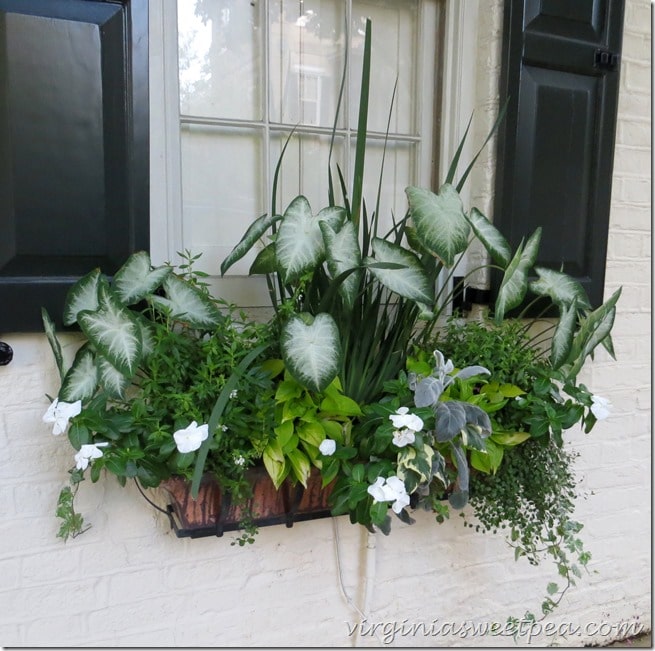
(72, 524)
(532, 499)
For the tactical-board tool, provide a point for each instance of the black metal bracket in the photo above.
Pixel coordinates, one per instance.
(606, 60)
(6, 353)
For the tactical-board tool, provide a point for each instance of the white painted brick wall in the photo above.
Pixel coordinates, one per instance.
(129, 582)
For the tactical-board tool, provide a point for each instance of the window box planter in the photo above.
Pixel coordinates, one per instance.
(214, 512)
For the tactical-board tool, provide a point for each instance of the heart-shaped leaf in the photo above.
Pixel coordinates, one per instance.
(187, 303)
(560, 346)
(439, 220)
(343, 253)
(83, 295)
(136, 279)
(450, 421)
(561, 288)
(254, 232)
(491, 237)
(311, 350)
(81, 380)
(404, 274)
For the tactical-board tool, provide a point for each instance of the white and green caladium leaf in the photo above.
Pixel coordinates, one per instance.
(187, 303)
(136, 279)
(561, 288)
(311, 350)
(491, 237)
(595, 328)
(81, 381)
(113, 332)
(83, 295)
(515, 280)
(254, 232)
(343, 253)
(51, 336)
(299, 243)
(408, 278)
(560, 346)
(112, 379)
(439, 220)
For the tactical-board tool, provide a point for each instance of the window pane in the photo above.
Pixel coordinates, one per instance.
(393, 55)
(305, 168)
(306, 60)
(220, 51)
(220, 199)
(397, 174)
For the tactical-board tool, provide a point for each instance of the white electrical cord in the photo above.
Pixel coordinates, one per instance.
(369, 578)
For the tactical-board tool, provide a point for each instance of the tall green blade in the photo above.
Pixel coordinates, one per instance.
(360, 150)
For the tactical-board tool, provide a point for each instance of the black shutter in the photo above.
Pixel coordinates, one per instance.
(73, 147)
(560, 77)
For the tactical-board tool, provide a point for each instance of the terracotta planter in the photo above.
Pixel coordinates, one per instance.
(213, 512)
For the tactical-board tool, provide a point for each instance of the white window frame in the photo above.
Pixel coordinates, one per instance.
(166, 226)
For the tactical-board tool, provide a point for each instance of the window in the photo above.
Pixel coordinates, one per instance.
(231, 79)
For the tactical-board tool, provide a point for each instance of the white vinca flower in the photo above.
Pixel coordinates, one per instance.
(86, 453)
(600, 407)
(390, 490)
(403, 419)
(59, 413)
(403, 437)
(190, 438)
(327, 447)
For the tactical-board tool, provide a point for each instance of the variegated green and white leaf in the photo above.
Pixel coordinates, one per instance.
(491, 237)
(81, 381)
(594, 329)
(147, 336)
(560, 346)
(561, 288)
(83, 295)
(343, 253)
(51, 336)
(408, 279)
(515, 280)
(311, 350)
(112, 379)
(136, 279)
(187, 303)
(113, 331)
(254, 232)
(439, 220)
(299, 242)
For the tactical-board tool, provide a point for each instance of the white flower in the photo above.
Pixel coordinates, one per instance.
(600, 407)
(327, 447)
(60, 413)
(190, 438)
(239, 460)
(224, 428)
(402, 418)
(86, 453)
(390, 490)
(233, 394)
(403, 437)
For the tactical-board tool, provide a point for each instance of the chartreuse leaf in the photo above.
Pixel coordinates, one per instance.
(275, 463)
(312, 350)
(300, 465)
(439, 220)
(113, 332)
(489, 461)
(561, 288)
(254, 232)
(491, 237)
(81, 380)
(136, 279)
(510, 439)
(83, 295)
(51, 336)
(187, 303)
(299, 243)
(515, 280)
(562, 342)
(404, 275)
(343, 253)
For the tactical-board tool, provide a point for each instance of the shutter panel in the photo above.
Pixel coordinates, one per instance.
(73, 147)
(560, 77)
